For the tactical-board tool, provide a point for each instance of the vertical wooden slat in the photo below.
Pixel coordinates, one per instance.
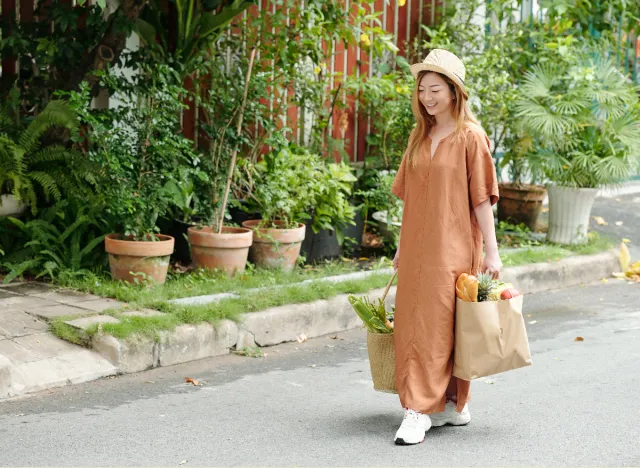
(351, 68)
(292, 110)
(421, 13)
(406, 20)
(388, 24)
(26, 11)
(8, 62)
(361, 122)
(338, 64)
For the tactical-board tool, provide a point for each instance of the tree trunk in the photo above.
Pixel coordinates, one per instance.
(111, 45)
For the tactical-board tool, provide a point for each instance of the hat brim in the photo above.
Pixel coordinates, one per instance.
(420, 67)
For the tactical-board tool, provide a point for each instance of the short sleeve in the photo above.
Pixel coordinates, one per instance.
(481, 171)
(399, 182)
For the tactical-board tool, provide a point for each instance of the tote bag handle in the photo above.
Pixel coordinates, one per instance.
(386, 291)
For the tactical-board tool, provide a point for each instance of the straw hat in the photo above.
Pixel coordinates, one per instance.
(444, 62)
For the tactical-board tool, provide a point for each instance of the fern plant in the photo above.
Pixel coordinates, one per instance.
(585, 117)
(64, 239)
(30, 166)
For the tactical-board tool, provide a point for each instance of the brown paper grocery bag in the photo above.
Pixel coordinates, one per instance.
(490, 338)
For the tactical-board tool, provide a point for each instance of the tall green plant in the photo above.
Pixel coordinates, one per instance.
(585, 117)
(197, 23)
(33, 165)
(141, 143)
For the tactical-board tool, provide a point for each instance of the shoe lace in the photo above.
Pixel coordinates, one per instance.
(410, 418)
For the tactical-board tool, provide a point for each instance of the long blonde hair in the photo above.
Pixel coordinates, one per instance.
(424, 122)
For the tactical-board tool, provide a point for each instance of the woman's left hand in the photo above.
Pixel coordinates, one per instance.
(492, 264)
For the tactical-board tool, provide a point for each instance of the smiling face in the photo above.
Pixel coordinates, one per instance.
(435, 94)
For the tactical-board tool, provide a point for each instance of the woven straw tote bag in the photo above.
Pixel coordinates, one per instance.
(382, 356)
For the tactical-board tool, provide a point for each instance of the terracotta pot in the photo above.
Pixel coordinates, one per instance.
(521, 204)
(129, 258)
(275, 248)
(227, 251)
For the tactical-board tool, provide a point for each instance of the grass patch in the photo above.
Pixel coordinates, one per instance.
(289, 290)
(254, 352)
(230, 308)
(553, 253)
(67, 332)
(202, 282)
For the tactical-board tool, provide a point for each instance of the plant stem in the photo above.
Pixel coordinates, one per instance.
(333, 106)
(234, 154)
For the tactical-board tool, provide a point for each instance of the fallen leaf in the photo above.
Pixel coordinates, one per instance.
(312, 365)
(194, 382)
(600, 221)
(557, 359)
(605, 280)
(626, 241)
(489, 382)
(183, 462)
(532, 322)
(579, 338)
(335, 337)
(545, 209)
(528, 315)
(363, 259)
(302, 338)
(625, 257)
(618, 199)
(150, 381)
(619, 223)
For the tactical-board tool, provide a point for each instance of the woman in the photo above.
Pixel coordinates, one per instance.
(447, 180)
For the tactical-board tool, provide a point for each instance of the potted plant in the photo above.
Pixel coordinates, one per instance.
(332, 213)
(29, 166)
(221, 247)
(385, 208)
(189, 207)
(140, 144)
(286, 188)
(585, 115)
(521, 198)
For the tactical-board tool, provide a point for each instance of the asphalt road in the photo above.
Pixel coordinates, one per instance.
(624, 209)
(312, 404)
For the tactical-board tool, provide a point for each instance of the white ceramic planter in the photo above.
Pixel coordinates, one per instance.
(569, 212)
(381, 218)
(10, 206)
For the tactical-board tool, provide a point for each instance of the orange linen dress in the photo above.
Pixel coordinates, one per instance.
(440, 239)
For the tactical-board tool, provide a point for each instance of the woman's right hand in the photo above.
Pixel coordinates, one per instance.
(396, 259)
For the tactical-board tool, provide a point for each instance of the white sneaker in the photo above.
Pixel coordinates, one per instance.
(413, 428)
(451, 416)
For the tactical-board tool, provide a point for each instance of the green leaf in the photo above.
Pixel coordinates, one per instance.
(146, 31)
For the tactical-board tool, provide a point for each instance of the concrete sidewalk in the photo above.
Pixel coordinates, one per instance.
(31, 357)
